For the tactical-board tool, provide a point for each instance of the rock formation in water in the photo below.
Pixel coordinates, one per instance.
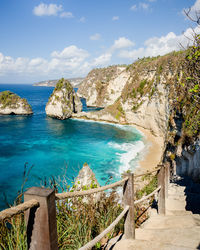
(63, 101)
(86, 180)
(10, 103)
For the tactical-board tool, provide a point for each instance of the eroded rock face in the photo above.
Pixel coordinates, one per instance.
(86, 180)
(63, 102)
(103, 86)
(10, 103)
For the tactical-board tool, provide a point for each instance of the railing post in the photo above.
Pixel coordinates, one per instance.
(162, 192)
(128, 199)
(41, 221)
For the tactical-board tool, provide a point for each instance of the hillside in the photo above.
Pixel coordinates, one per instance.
(52, 83)
(160, 94)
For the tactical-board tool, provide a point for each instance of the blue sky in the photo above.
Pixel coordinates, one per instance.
(43, 40)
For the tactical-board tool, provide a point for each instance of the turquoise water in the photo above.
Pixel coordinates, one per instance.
(60, 148)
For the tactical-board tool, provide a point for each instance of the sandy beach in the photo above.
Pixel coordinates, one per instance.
(154, 151)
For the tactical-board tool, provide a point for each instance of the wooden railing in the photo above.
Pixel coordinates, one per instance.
(40, 210)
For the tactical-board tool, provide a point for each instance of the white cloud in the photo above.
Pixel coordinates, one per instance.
(194, 11)
(71, 52)
(115, 18)
(66, 62)
(95, 37)
(160, 45)
(133, 7)
(144, 6)
(82, 19)
(47, 9)
(122, 42)
(102, 60)
(66, 15)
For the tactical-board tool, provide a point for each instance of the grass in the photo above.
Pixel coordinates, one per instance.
(78, 221)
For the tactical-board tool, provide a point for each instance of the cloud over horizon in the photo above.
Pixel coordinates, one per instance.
(73, 61)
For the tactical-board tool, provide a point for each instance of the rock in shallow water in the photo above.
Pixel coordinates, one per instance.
(10, 103)
(63, 101)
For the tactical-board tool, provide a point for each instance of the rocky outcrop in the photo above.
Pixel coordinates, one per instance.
(86, 180)
(10, 103)
(103, 86)
(63, 102)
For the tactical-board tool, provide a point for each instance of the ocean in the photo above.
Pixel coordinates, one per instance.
(55, 148)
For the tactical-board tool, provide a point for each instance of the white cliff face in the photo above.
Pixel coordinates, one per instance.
(63, 102)
(152, 114)
(188, 161)
(11, 103)
(102, 87)
(86, 180)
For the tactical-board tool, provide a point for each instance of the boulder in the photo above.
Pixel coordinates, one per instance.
(63, 102)
(12, 104)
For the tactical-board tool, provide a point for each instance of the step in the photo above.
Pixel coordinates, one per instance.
(180, 237)
(146, 245)
(170, 221)
(175, 204)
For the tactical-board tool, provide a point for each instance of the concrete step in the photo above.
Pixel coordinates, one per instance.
(181, 237)
(146, 245)
(171, 221)
(175, 204)
(178, 212)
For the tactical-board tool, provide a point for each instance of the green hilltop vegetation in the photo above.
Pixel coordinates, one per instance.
(11, 100)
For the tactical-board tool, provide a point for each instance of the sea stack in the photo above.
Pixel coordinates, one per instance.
(12, 104)
(63, 102)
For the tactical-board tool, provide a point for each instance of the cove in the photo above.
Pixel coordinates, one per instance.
(60, 148)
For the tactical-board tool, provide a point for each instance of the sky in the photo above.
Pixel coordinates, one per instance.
(50, 39)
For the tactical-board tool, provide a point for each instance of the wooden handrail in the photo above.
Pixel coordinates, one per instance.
(41, 222)
(93, 242)
(148, 196)
(65, 195)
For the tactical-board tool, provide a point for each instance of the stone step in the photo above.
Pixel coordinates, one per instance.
(181, 237)
(178, 212)
(146, 245)
(175, 204)
(171, 221)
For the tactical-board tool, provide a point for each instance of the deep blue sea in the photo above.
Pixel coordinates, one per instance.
(59, 148)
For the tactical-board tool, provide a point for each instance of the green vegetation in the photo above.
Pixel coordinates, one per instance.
(149, 188)
(11, 100)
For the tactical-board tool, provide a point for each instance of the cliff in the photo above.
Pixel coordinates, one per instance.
(10, 103)
(160, 94)
(103, 86)
(63, 101)
(138, 94)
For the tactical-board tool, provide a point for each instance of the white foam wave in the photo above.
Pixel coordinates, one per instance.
(132, 152)
(120, 126)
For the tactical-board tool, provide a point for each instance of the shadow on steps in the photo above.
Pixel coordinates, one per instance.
(192, 193)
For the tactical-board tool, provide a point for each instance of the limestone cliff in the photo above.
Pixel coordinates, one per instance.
(10, 103)
(86, 180)
(103, 86)
(63, 101)
(138, 94)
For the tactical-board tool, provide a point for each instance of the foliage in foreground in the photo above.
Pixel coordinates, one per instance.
(78, 221)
